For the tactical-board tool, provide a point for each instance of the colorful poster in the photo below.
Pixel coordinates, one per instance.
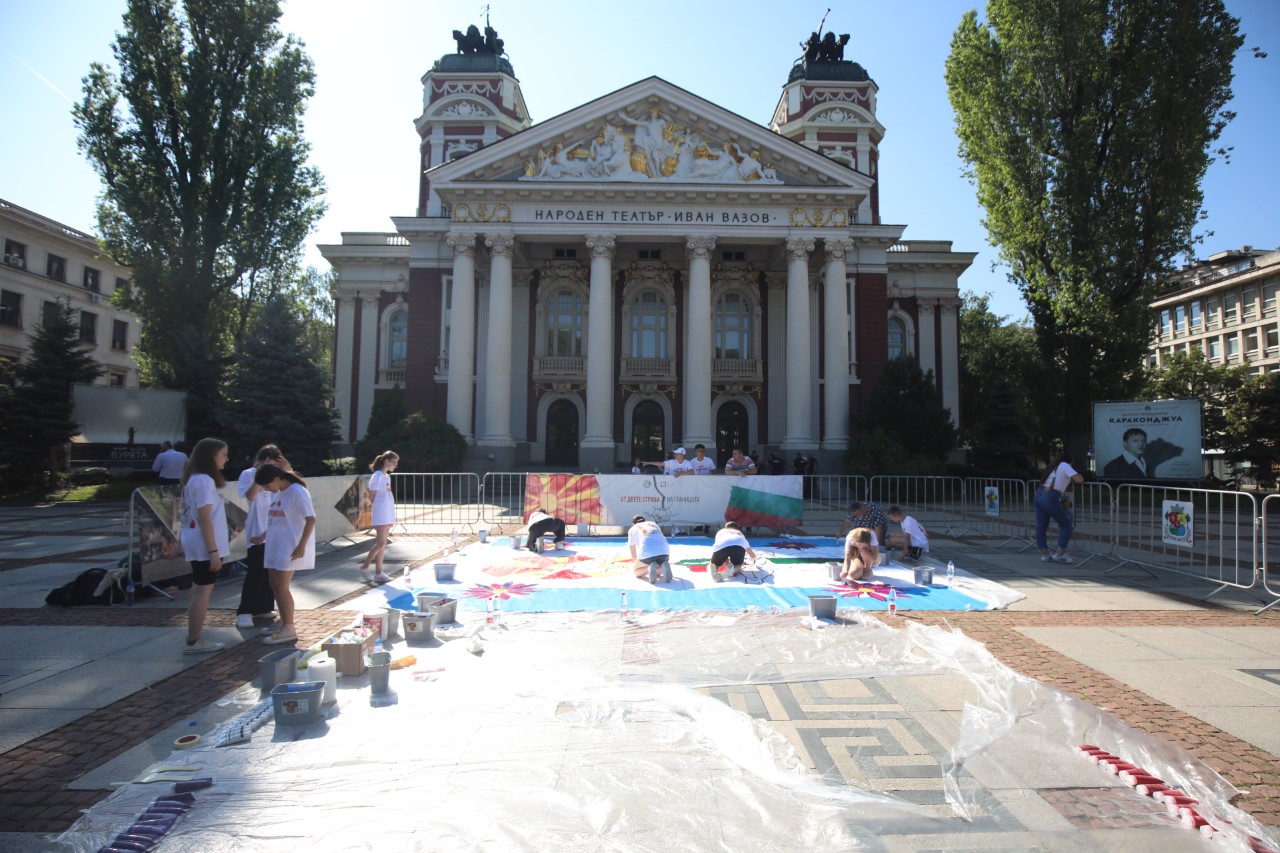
(991, 500)
(1177, 524)
(608, 499)
(1138, 440)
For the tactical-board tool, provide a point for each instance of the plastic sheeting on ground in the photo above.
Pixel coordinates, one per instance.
(590, 574)
(577, 732)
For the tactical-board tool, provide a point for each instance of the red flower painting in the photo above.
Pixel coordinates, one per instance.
(878, 591)
(501, 591)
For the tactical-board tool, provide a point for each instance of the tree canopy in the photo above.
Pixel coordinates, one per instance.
(1191, 375)
(1087, 127)
(207, 195)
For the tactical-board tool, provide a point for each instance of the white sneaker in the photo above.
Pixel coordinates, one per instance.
(1045, 558)
(382, 577)
(202, 646)
(1063, 558)
(244, 620)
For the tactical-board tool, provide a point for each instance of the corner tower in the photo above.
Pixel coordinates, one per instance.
(470, 99)
(829, 105)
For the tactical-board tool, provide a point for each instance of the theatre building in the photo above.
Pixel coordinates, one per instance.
(643, 270)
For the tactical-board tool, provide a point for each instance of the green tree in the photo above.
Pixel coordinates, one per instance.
(1003, 448)
(39, 420)
(1251, 436)
(1189, 375)
(207, 194)
(387, 411)
(905, 428)
(424, 442)
(1087, 128)
(995, 352)
(277, 392)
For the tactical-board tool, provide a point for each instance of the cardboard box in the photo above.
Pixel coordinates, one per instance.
(349, 657)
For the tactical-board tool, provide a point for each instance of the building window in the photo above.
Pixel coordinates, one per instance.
(119, 335)
(1211, 311)
(10, 309)
(1215, 349)
(92, 280)
(398, 339)
(1228, 307)
(1233, 346)
(733, 256)
(122, 283)
(15, 254)
(49, 313)
(731, 319)
(56, 268)
(117, 380)
(1268, 300)
(897, 338)
(1180, 318)
(1251, 342)
(650, 254)
(1165, 326)
(564, 254)
(1196, 317)
(1249, 303)
(564, 324)
(88, 328)
(1273, 340)
(649, 326)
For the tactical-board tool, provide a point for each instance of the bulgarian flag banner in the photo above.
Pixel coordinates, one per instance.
(766, 502)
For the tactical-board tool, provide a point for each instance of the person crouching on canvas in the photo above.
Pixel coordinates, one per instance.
(541, 523)
(912, 540)
(861, 555)
(730, 547)
(649, 549)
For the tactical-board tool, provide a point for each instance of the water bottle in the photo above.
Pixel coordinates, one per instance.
(951, 571)
(129, 591)
(489, 617)
(377, 646)
(623, 608)
(893, 601)
(453, 537)
(497, 612)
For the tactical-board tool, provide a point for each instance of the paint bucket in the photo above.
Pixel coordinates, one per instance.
(393, 622)
(377, 621)
(484, 536)
(444, 609)
(515, 543)
(822, 606)
(279, 667)
(444, 571)
(834, 569)
(924, 575)
(419, 628)
(380, 672)
(324, 668)
(298, 704)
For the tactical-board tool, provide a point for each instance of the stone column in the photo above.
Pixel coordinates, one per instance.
(799, 340)
(951, 356)
(368, 371)
(697, 348)
(496, 424)
(344, 333)
(835, 318)
(462, 333)
(598, 443)
(926, 335)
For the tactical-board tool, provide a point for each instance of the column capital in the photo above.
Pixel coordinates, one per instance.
(798, 248)
(344, 300)
(371, 299)
(926, 306)
(500, 245)
(837, 250)
(462, 242)
(700, 247)
(601, 245)
(949, 306)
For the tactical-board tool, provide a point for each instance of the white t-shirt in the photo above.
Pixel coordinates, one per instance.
(201, 491)
(384, 505)
(536, 516)
(849, 543)
(286, 517)
(1061, 477)
(703, 465)
(648, 540)
(671, 467)
(912, 529)
(255, 523)
(727, 537)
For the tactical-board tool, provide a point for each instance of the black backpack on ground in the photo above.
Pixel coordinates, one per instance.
(79, 592)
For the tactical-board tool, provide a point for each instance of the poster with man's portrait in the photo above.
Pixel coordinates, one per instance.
(1139, 440)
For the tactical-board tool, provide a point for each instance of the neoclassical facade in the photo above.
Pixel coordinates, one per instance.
(648, 269)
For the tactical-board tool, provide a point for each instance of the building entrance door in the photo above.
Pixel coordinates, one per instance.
(562, 434)
(647, 440)
(732, 430)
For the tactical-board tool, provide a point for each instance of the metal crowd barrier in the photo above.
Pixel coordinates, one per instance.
(1220, 545)
(436, 503)
(1005, 513)
(1269, 553)
(827, 498)
(936, 502)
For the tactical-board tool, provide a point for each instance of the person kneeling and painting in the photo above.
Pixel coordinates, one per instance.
(730, 547)
(540, 524)
(861, 555)
(649, 548)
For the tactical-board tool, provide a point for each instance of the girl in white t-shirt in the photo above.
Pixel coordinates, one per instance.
(384, 515)
(1048, 505)
(205, 539)
(861, 554)
(291, 542)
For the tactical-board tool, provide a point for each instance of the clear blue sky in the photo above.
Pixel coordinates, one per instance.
(371, 55)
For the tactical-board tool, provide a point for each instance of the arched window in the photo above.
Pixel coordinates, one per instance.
(731, 319)
(649, 326)
(897, 338)
(564, 323)
(398, 339)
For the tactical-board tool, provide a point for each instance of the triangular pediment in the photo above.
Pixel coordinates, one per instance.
(649, 135)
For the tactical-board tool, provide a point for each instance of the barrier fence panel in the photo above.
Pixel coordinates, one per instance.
(1269, 548)
(502, 499)
(936, 502)
(436, 503)
(1206, 534)
(998, 508)
(827, 498)
(1092, 508)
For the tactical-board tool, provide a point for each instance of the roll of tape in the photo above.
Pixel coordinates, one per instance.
(186, 741)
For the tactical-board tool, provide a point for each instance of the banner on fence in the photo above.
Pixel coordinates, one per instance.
(1177, 524)
(613, 499)
(1140, 440)
(991, 500)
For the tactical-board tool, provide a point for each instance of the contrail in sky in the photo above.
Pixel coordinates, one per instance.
(45, 81)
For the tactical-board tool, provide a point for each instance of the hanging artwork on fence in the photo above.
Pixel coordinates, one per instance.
(991, 500)
(1177, 524)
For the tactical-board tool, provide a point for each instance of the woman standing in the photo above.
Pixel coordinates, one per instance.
(384, 514)
(256, 598)
(204, 534)
(1049, 506)
(291, 543)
